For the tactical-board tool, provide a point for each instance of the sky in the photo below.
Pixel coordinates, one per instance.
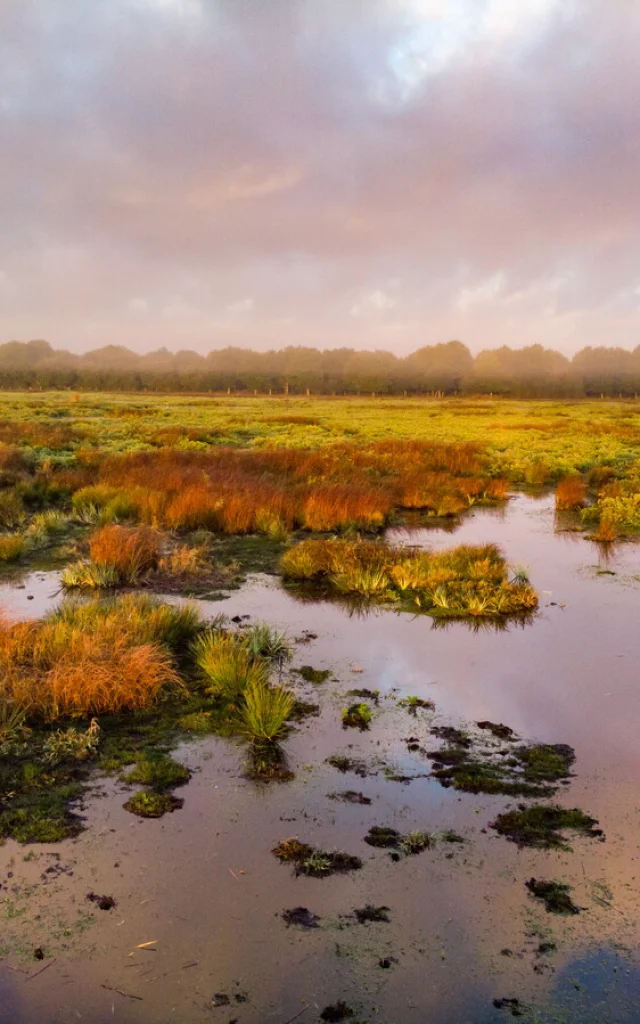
(380, 174)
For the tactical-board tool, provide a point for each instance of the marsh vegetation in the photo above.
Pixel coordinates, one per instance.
(187, 714)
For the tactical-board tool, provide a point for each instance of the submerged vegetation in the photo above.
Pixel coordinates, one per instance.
(475, 765)
(307, 860)
(544, 826)
(464, 581)
(555, 896)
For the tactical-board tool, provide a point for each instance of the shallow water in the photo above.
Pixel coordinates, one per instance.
(202, 885)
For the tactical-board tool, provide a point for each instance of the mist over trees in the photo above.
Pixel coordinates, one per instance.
(449, 367)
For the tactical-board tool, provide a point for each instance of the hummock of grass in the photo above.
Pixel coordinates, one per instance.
(94, 658)
(235, 669)
(466, 581)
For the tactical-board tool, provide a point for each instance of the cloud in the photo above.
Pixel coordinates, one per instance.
(481, 152)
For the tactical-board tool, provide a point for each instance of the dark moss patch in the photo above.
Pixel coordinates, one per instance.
(371, 914)
(514, 1006)
(390, 839)
(356, 716)
(350, 796)
(546, 762)
(310, 861)
(304, 709)
(501, 732)
(240, 555)
(301, 917)
(149, 804)
(546, 947)
(414, 704)
(456, 737)
(313, 675)
(386, 962)
(161, 772)
(102, 902)
(337, 1012)
(36, 798)
(268, 762)
(542, 826)
(530, 770)
(197, 721)
(385, 838)
(350, 764)
(450, 836)
(365, 694)
(554, 895)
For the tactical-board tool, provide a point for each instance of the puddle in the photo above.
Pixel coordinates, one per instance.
(199, 896)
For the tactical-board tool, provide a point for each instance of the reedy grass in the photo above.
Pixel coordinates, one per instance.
(88, 576)
(467, 581)
(93, 658)
(12, 547)
(266, 710)
(263, 641)
(226, 665)
(131, 551)
(571, 493)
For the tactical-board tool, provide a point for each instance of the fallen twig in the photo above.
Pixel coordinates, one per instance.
(127, 995)
(298, 1014)
(45, 968)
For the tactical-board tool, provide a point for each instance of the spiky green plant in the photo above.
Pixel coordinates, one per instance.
(227, 666)
(266, 710)
(88, 576)
(264, 642)
(51, 522)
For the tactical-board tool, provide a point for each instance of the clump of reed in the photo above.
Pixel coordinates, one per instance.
(226, 665)
(571, 493)
(12, 511)
(119, 555)
(93, 658)
(12, 547)
(466, 581)
(236, 669)
(266, 710)
(131, 551)
(185, 560)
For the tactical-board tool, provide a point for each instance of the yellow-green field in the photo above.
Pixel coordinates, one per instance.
(526, 441)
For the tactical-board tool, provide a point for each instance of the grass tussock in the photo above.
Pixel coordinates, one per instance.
(131, 551)
(93, 658)
(236, 668)
(266, 711)
(467, 581)
(571, 493)
(12, 547)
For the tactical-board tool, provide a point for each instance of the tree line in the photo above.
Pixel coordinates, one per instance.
(448, 368)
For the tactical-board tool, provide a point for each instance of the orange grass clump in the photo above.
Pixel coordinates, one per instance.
(54, 668)
(571, 493)
(129, 550)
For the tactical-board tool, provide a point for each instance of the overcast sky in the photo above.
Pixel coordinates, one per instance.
(372, 173)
